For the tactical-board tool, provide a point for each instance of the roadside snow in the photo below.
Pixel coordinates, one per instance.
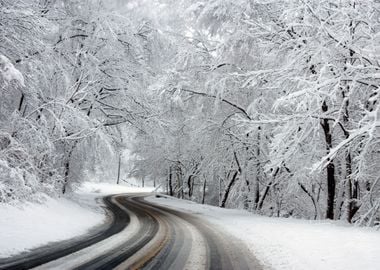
(289, 243)
(34, 224)
(106, 188)
(31, 225)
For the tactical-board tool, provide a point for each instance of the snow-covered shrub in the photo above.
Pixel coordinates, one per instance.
(27, 157)
(12, 183)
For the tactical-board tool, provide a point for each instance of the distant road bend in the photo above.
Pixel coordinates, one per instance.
(142, 235)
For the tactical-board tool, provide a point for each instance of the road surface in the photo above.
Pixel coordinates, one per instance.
(142, 235)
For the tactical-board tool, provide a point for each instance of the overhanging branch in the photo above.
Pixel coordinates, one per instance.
(239, 108)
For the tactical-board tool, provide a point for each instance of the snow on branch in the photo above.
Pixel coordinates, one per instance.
(325, 160)
(9, 73)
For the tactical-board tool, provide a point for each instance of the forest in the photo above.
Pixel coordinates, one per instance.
(267, 105)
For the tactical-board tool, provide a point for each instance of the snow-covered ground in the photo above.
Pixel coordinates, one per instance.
(34, 224)
(31, 225)
(289, 243)
(89, 188)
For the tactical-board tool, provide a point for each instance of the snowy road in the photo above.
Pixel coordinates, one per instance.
(142, 235)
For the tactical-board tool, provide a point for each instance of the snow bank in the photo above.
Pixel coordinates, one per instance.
(34, 224)
(37, 224)
(292, 244)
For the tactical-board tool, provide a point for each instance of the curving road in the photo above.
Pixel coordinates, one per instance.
(142, 235)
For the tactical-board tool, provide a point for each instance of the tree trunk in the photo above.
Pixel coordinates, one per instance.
(330, 190)
(170, 182)
(204, 191)
(66, 175)
(352, 191)
(351, 185)
(312, 199)
(190, 185)
(260, 202)
(258, 172)
(21, 102)
(179, 181)
(67, 167)
(330, 170)
(262, 199)
(228, 189)
(220, 190)
(118, 170)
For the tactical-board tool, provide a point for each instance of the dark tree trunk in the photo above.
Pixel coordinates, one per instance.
(170, 182)
(262, 199)
(21, 102)
(66, 175)
(258, 172)
(330, 191)
(352, 191)
(204, 191)
(257, 194)
(228, 189)
(246, 199)
(67, 168)
(352, 185)
(330, 166)
(179, 181)
(190, 185)
(260, 203)
(118, 170)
